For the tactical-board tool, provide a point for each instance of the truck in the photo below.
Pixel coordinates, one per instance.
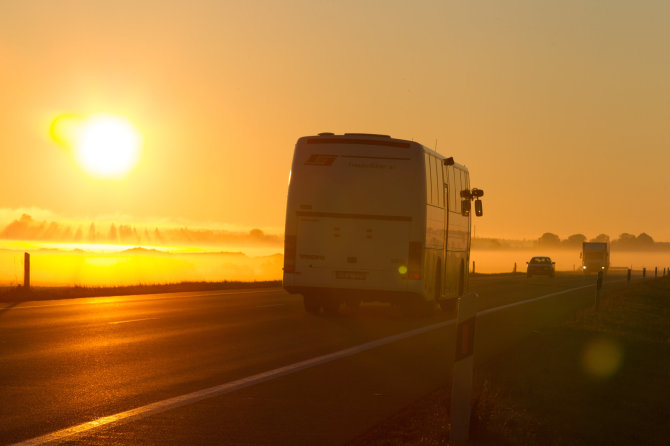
(595, 256)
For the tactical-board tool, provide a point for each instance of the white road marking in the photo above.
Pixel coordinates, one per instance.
(522, 302)
(190, 398)
(133, 320)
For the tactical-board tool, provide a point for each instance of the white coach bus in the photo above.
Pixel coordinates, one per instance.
(373, 218)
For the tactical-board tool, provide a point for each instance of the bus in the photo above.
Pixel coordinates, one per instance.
(374, 218)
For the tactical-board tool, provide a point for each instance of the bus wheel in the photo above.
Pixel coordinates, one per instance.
(331, 306)
(312, 304)
(461, 280)
(450, 307)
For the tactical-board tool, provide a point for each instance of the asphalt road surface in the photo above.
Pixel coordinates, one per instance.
(242, 367)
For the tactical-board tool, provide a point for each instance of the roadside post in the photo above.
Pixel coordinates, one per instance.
(514, 270)
(656, 272)
(26, 272)
(461, 389)
(599, 285)
(628, 272)
(473, 267)
(644, 273)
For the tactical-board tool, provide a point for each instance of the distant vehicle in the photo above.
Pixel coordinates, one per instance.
(374, 218)
(595, 256)
(541, 266)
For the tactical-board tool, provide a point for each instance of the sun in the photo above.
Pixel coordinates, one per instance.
(105, 146)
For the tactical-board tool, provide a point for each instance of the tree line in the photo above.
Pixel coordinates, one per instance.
(624, 241)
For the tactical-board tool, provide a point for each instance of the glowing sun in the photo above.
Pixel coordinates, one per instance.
(105, 146)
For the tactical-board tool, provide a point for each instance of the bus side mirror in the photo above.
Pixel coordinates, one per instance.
(465, 207)
(478, 208)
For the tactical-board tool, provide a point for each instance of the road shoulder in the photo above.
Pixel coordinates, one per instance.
(600, 378)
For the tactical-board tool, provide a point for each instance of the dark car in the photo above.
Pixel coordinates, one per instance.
(540, 265)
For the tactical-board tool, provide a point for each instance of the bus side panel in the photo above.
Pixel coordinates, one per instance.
(434, 249)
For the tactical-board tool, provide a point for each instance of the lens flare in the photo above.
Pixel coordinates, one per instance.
(602, 357)
(64, 130)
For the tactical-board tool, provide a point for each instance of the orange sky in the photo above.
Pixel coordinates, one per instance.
(560, 109)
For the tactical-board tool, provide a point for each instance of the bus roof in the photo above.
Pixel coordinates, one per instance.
(371, 139)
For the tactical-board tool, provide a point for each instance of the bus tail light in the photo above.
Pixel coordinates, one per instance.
(289, 253)
(414, 260)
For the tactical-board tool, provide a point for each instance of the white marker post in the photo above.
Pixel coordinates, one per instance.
(461, 390)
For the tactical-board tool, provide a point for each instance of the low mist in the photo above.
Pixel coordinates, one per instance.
(502, 260)
(135, 267)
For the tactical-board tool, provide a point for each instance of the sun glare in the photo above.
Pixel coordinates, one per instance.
(108, 146)
(105, 146)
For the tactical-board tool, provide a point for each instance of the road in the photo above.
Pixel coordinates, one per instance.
(68, 362)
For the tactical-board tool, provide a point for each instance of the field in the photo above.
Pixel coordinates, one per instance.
(9, 294)
(599, 379)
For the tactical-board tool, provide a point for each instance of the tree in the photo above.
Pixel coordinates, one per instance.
(626, 240)
(575, 240)
(644, 240)
(549, 240)
(602, 238)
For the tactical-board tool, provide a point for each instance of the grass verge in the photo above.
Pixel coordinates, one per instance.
(599, 379)
(14, 294)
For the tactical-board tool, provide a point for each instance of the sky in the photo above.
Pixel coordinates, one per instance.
(560, 109)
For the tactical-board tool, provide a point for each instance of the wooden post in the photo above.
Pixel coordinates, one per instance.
(656, 272)
(599, 285)
(26, 271)
(514, 270)
(461, 389)
(628, 278)
(644, 273)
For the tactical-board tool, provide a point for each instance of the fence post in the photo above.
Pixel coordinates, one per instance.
(461, 389)
(26, 272)
(628, 278)
(644, 273)
(656, 272)
(599, 285)
(514, 270)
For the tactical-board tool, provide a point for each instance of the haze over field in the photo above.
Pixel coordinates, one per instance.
(171, 125)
